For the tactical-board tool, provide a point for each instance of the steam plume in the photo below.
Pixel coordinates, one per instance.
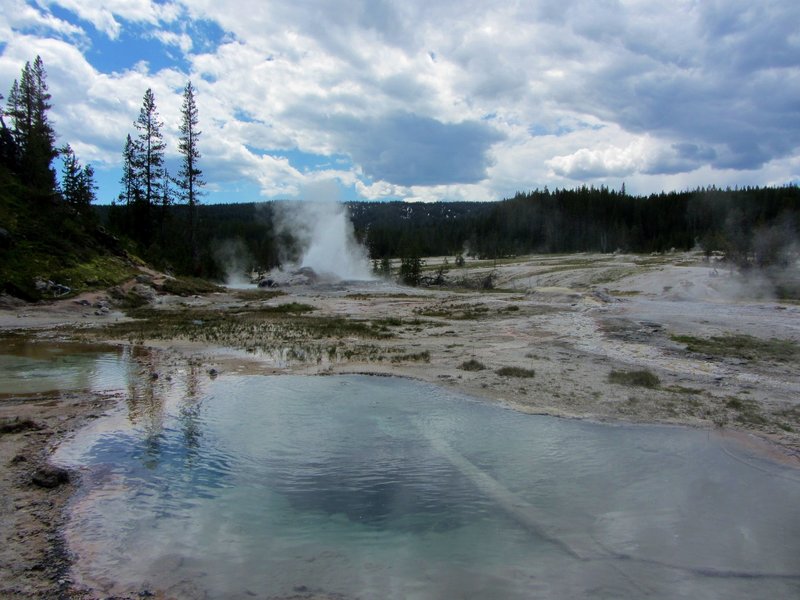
(322, 228)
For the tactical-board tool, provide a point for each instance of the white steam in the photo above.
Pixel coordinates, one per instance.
(324, 233)
(236, 261)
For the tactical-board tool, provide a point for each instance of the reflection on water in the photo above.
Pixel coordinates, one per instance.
(30, 367)
(251, 486)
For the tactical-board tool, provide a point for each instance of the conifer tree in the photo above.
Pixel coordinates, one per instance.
(33, 134)
(190, 179)
(8, 146)
(77, 183)
(149, 151)
(130, 180)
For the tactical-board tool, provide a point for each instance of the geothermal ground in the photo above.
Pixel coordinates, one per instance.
(669, 339)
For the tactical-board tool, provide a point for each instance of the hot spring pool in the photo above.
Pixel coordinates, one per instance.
(259, 487)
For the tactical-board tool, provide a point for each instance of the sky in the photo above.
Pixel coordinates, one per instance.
(424, 101)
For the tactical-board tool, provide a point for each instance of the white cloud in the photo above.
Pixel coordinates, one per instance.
(467, 100)
(104, 15)
(17, 14)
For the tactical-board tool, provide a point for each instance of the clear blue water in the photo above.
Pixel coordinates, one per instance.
(257, 487)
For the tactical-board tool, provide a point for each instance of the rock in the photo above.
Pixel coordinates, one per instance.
(116, 292)
(83, 302)
(144, 278)
(8, 301)
(50, 477)
(604, 296)
(17, 425)
(213, 373)
(143, 291)
(58, 289)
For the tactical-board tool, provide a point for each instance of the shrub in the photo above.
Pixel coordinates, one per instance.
(515, 372)
(472, 365)
(643, 378)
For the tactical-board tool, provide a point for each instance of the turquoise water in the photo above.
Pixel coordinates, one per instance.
(260, 487)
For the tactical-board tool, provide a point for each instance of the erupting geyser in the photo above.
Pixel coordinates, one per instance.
(332, 248)
(325, 236)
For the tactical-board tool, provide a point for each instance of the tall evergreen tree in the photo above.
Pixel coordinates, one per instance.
(77, 183)
(28, 103)
(166, 201)
(190, 179)
(70, 175)
(8, 146)
(149, 149)
(130, 173)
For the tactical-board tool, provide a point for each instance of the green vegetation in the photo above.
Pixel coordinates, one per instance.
(743, 347)
(515, 372)
(189, 286)
(456, 312)
(747, 411)
(290, 308)
(472, 365)
(423, 356)
(641, 378)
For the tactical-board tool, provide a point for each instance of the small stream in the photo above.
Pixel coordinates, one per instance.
(249, 486)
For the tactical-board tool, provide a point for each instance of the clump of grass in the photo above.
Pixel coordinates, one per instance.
(744, 347)
(291, 308)
(747, 411)
(515, 372)
(189, 286)
(257, 294)
(472, 365)
(423, 356)
(456, 312)
(642, 378)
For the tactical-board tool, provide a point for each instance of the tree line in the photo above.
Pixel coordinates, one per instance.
(162, 219)
(28, 145)
(148, 191)
(751, 226)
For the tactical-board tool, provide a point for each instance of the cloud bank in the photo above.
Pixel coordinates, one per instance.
(427, 101)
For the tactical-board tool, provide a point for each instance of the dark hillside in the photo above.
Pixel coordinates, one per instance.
(47, 247)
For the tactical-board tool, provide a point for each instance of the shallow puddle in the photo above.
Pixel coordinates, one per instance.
(255, 486)
(31, 367)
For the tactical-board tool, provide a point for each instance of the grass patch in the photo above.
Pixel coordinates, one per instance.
(747, 411)
(515, 372)
(472, 365)
(289, 308)
(745, 347)
(423, 356)
(456, 312)
(189, 286)
(642, 378)
(257, 294)
(679, 389)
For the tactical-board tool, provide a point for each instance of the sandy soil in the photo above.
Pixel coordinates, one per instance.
(570, 320)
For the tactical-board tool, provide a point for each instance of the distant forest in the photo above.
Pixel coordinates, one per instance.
(50, 223)
(752, 226)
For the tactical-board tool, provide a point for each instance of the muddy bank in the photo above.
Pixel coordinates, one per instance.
(34, 562)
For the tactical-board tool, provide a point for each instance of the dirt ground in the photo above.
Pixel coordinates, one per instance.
(560, 335)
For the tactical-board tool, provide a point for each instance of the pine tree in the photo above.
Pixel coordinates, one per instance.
(33, 134)
(77, 183)
(149, 162)
(70, 176)
(130, 176)
(166, 201)
(8, 146)
(190, 179)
